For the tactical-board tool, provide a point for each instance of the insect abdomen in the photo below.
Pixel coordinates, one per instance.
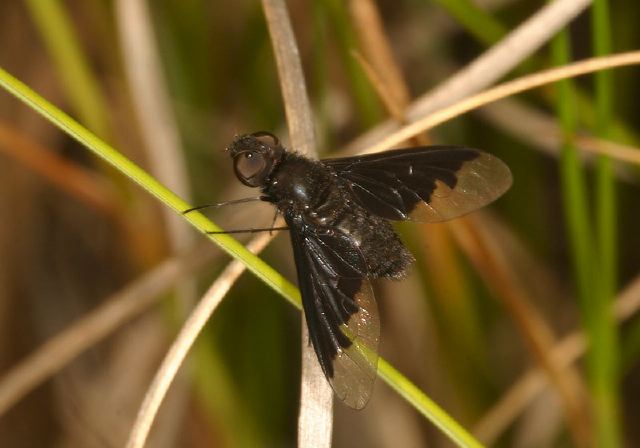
(385, 254)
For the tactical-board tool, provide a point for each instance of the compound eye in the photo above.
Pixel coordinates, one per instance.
(250, 168)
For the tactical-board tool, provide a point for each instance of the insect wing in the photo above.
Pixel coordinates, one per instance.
(429, 184)
(340, 310)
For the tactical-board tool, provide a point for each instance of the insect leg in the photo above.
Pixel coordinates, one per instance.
(220, 204)
(275, 216)
(255, 230)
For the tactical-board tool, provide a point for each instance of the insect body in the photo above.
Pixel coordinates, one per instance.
(338, 212)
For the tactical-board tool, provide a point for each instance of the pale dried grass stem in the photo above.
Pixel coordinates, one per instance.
(504, 90)
(315, 419)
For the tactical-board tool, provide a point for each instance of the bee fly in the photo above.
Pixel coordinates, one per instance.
(338, 213)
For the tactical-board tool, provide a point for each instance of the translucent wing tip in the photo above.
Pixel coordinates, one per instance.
(355, 367)
(496, 174)
(479, 182)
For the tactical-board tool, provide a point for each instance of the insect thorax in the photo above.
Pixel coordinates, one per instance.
(309, 192)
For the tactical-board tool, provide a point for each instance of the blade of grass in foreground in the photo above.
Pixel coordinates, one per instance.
(265, 272)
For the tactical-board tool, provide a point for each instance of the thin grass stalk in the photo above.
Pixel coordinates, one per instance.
(604, 355)
(613, 150)
(541, 130)
(573, 184)
(315, 419)
(500, 91)
(78, 82)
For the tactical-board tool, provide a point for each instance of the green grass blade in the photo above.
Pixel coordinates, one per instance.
(604, 353)
(573, 180)
(78, 82)
(594, 264)
(262, 270)
(574, 190)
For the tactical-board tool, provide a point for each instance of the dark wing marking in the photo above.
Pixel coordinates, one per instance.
(340, 311)
(429, 184)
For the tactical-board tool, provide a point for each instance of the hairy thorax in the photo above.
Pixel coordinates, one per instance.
(309, 191)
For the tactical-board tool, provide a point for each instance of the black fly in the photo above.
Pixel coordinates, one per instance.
(338, 213)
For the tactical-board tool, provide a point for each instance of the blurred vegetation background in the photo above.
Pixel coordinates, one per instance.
(468, 323)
